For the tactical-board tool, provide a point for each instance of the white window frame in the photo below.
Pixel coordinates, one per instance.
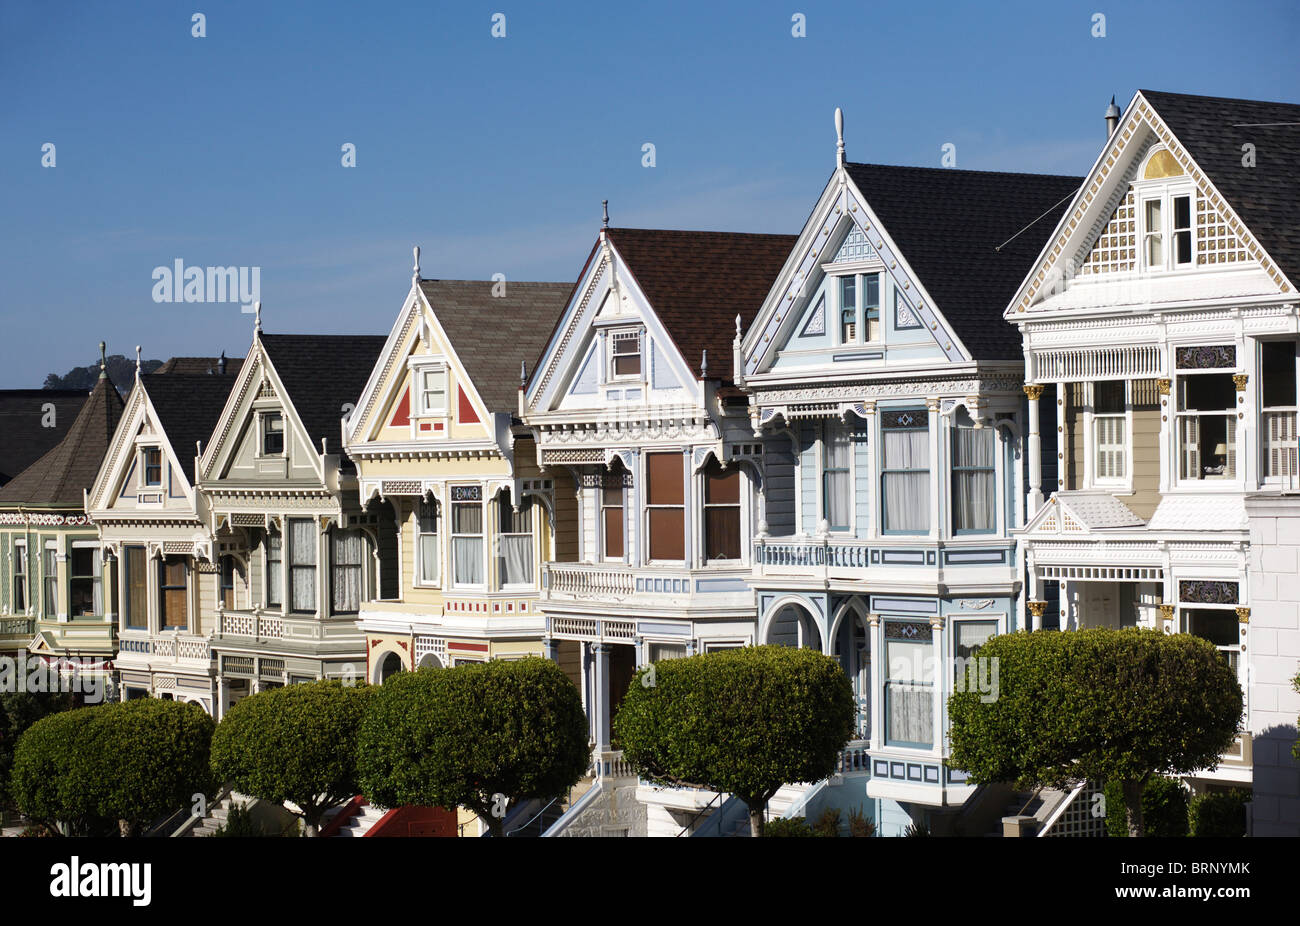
(482, 536)
(601, 529)
(425, 408)
(1092, 445)
(20, 556)
(1235, 450)
(525, 504)
(1284, 480)
(420, 580)
(264, 419)
(1164, 190)
(617, 335)
(97, 576)
(851, 529)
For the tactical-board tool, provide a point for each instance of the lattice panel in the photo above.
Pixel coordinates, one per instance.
(436, 645)
(1215, 241)
(1116, 247)
(1080, 818)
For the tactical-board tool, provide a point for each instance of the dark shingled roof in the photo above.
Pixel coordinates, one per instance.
(948, 225)
(194, 365)
(23, 438)
(188, 406)
(322, 373)
(493, 335)
(57, 479)
(698, 282)
(1266, 196)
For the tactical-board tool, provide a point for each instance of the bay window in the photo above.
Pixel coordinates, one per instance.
(666, 506)
(85, 584)
(274, 569)
(837, 489)
(909, 684)
(467, 535)
(613, 526)
(974, 487)
(1277, 363)
(721, 512)
(19, 600)
(905, 471)
(1207, 426)
(136, 582)
(173, 593)
(514, 541)
(302, 565)
(346, 548)
(228, 582)
(50, 574)
(426, 542)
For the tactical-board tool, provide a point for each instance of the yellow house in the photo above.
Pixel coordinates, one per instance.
(436, 436)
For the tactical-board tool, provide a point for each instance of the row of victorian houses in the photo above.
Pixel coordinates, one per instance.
(956, 404)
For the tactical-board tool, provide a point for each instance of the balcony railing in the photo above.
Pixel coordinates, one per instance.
(616, 582)
(180, 647)
(582, 580)
(248, 624)
(17, 627)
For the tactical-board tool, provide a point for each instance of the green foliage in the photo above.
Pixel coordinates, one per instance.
(791, 827)
(18, 711)
(42, 757)
(240, 823)
(140, 760)
(859, 826)
(916, 831)
(121, 370)
(1221, 813)
(743, 721)
(296, 744)
(1164, 808)
(457, 737)
(828, 824)
(1100, 704)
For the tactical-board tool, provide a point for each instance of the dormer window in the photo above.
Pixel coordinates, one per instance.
(1166, 212)
(625, 354)
(848, 310)
(433, 391)
(151, 466)
(860, 308)
(272, 434)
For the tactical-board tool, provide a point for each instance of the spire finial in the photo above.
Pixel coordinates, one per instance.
(103, 360)
(737, 324)
(839, 137)
(604, 222)
(257, 318)
(704, 364)
(415, 271)
(523, 374)
(137, 361)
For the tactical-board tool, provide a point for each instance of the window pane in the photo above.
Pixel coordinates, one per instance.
(467, 560)
(515, 563)
(428, 557)
(1207, 392)
(1108, 398)
(1219, 627)
(722, 533)
(137, 614)
(467, 519)
(346, 553)
(302, 565)
(664, 475)
(667, 533)
(721, 487)
(275, 569)
(613, 532)
(1277, 358)
(971, 635)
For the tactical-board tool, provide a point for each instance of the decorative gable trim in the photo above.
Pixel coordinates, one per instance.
(573, 325)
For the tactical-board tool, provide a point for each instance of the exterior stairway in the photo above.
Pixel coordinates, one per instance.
(361, 822)
(218, 813)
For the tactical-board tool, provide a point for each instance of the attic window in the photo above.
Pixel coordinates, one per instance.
(433, 391)
(625, 354)
(152, 466)
(272, 434)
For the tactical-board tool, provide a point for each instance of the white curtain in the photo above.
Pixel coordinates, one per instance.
(516, 561)
(910, 691)
(428, 541)
(839, 494)
(97, 584)
(467, 560)
(974, 493)
(907, 497)
(302, 562)
(347, 571)
(275, 569)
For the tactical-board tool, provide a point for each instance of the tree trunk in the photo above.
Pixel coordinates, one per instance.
(495, 825)
(125, 828)
(310, 828)
(1133, 806)
(757, 811)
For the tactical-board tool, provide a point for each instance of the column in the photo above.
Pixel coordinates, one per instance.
(1168, 461)
(1035, 451)
(600, 695)
(877, 653)
(1036, 609)
(940, 682)
(936, 497)
(873, 435)
(222, 695)
(1062, 438)
(550, 649)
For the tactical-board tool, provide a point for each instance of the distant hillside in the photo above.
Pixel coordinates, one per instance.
(120, 369)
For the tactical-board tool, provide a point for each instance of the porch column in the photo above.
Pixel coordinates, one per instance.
(222, 694)
(1062, 438)
(876, 653)
(1035, 451)
(550, 649)
(600, 695)
(936, 476)
(940, 682)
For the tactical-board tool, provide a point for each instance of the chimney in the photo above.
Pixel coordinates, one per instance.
(221, 364)
(1112, 118)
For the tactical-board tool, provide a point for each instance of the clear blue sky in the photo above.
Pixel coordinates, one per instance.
(494, 154)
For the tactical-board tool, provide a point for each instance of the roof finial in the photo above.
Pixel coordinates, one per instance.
(1112, 117)
(523, 374)
(604, 222)
(737, 324)
(704, 364)
(103, 360)
(415, 272)
(137, 361)
(839, 137)
(257, 318)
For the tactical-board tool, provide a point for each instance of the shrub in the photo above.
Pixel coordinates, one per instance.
(1221, 813)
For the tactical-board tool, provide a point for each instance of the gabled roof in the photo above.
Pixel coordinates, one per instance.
(1265, 196)
(1078, 512)
(322, 373)
(697, 282)
(23, 435)
(970, 236)
(188, 406)
(193, 365)
(58, 478)
(493, 335)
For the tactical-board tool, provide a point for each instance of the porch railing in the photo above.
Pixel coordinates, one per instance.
(247, 624)
(17, 626)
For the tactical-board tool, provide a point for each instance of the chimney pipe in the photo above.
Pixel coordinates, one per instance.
(221, 364)
(1112, 118)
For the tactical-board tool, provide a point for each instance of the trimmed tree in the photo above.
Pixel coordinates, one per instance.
(1103, 705)
(38, 782)
(476, 736)
(139, 760)
(742, 721)
(296, 744)
(19, 710)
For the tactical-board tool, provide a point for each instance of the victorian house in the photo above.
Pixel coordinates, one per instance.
(1160, 332)
(441, 453)
(634, 408)
(887, 394)
(295, 553)
(56, 594)
(154, 534)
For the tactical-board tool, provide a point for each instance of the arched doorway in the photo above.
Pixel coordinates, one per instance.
(851, 645)
(428, 660)
(391, 665)
(793, 625)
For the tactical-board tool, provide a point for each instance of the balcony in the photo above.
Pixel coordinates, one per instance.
(16, 630)
(242, 628)
(168, 648)
(250, 625)
(647, 586)
(835, 558)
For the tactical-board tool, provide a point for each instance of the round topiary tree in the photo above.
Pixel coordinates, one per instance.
(476, 736)
(42, 757)
(19, 710)
(295, 744)
(140, 760)
(1103, 705)
(742, 721)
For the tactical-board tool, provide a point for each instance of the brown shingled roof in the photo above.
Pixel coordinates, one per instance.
(698, 282)
(23, 436)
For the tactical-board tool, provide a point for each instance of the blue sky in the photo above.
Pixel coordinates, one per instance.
(493, 154)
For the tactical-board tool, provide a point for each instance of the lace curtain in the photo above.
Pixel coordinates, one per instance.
(346, 572)
(974, 494)
(302, 565)
(907, 497)
(839, 494)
